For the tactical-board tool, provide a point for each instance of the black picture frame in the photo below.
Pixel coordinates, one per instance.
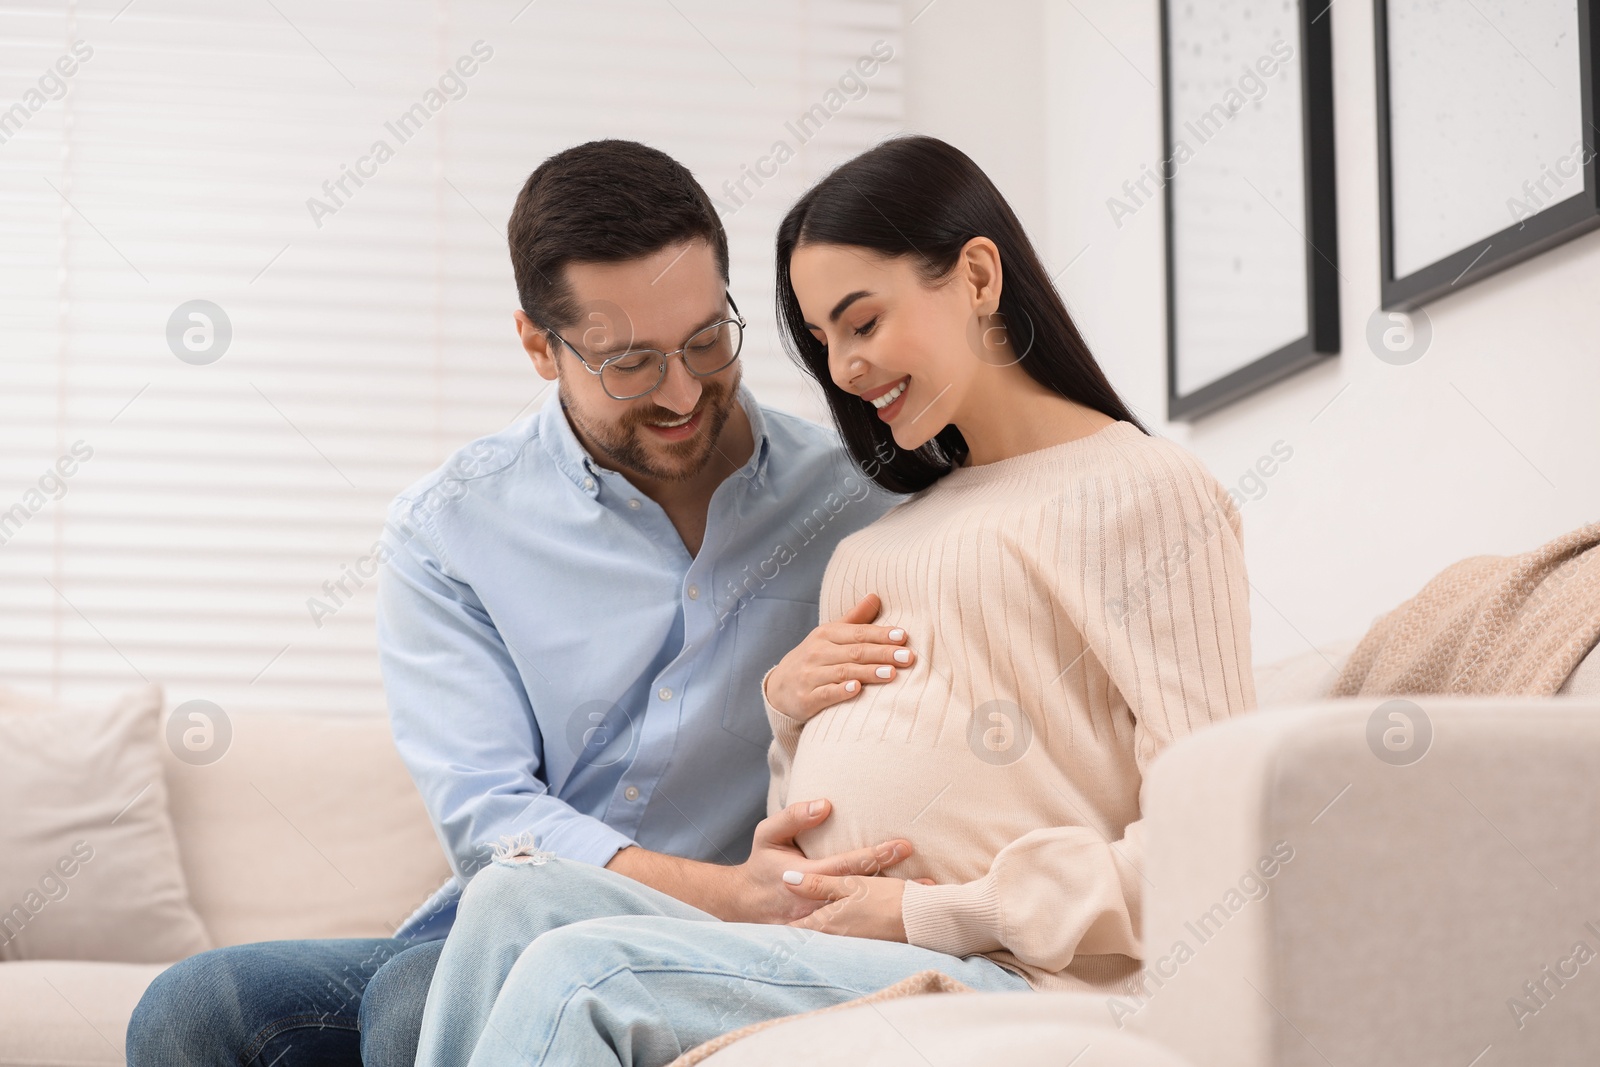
(1321, 340)
(1561, 222)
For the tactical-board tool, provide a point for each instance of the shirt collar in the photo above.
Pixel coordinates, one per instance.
(755, 467)
(573, 460)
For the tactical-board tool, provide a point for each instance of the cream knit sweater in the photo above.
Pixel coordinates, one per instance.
(1074, 610)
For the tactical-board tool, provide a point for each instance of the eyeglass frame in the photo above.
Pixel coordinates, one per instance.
(680, 351)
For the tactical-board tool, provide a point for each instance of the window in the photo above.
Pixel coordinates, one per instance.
(182, 484)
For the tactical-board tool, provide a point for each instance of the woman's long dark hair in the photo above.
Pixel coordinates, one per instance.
(923, 198)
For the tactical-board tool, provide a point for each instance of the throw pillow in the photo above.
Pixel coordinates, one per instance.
(90, 867)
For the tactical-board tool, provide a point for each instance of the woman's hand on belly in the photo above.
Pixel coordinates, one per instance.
(832, 664)
(853, 906)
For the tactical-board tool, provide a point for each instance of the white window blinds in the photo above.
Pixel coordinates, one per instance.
(253, 281)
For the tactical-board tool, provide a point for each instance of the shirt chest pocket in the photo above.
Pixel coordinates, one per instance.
(765, 629)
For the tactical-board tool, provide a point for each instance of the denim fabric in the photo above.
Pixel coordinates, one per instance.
(326, 1003)
(558, 962)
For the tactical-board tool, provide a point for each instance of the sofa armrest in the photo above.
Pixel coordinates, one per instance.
(951, 1029)
(1317, 897)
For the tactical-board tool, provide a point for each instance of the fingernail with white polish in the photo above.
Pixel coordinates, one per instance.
(793, 877)
(851, 686)
(897, 635)
(884, 672)
(902, 655)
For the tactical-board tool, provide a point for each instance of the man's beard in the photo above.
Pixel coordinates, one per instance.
(623, 446)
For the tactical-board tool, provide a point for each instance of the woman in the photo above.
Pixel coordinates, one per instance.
(1062, 597)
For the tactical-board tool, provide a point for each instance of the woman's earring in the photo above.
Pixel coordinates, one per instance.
(986, 341)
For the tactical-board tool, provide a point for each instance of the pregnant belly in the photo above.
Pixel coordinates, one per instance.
(884, 788)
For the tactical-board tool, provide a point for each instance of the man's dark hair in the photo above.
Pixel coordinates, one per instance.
(602, 202)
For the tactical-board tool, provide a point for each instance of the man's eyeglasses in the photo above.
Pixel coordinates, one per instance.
(631, 374)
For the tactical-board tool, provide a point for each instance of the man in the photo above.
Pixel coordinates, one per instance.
(574, 619)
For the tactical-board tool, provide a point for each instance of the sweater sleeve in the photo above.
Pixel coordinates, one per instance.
(1152, 575)
(780, 756)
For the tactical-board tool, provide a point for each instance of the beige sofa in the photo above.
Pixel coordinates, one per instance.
(307, 827)
(1418, 899)
(1446, 911)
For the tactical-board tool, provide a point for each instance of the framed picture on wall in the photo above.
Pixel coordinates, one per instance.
(1248, 171)
(1486, 138)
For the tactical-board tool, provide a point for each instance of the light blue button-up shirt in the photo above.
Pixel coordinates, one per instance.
(556, 662)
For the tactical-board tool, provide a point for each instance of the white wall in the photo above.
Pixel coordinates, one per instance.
(1488, 444)
(975, 76)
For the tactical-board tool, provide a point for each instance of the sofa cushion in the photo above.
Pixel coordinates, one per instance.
(306, 826)
(91, 867)
(1584, 681)
(15, 700)
(63, 1013)
(1301, 678)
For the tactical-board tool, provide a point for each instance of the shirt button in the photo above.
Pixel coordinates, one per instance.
(634, 504)
(632, 792)
(588, 483)
(664, 693)
(694, 592)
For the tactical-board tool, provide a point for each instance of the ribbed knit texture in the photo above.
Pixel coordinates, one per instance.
(1074, 611)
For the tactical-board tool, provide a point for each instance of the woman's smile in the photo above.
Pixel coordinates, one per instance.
(888, 399)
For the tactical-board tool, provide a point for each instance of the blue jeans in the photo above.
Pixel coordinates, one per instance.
(324, 1003)
(559, 962)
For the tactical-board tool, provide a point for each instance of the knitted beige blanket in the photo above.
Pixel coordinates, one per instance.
(1488, 625)
(915, 985)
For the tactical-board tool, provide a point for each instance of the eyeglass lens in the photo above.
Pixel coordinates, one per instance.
(636, 373)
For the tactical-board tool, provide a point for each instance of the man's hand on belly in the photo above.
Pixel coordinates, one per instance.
(755, 891)
(763, 895)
